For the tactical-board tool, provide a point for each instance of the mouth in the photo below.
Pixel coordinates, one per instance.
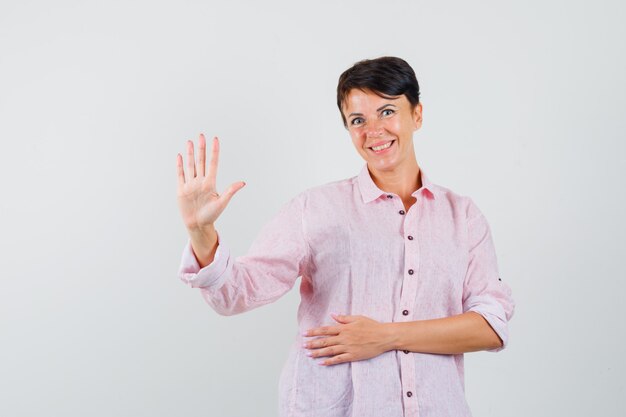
(382, 148)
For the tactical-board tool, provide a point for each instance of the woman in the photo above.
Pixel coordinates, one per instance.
(399, 275)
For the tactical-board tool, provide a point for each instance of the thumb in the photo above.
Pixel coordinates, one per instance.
(234, 187)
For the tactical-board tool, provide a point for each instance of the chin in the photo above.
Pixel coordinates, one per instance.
(383, 165)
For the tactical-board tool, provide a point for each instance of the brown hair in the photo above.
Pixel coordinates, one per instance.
(386, 76)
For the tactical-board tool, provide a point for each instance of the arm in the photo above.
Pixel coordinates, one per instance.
(487, 304)
(483, 290)
(277, 257)
(467, 332)
(360, 337)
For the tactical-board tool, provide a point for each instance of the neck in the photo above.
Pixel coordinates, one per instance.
(403, 181)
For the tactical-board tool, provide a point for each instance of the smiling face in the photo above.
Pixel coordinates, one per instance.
(382, 128)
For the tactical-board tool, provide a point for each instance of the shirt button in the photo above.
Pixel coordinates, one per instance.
(389, 196)
(409, 394)
(406, 351)
(410, 237)
(411, 272)
(405, 312)
(401, 212)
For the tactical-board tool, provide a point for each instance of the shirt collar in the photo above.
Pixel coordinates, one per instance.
(370, 191)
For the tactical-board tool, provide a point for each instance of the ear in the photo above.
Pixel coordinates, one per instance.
(417, 116)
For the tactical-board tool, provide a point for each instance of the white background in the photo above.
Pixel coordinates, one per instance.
(524, 111)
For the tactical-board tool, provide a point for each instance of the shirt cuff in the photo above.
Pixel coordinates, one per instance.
(209, 276)
(495, 321)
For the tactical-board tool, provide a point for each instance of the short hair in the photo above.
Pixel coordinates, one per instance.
(386, 76)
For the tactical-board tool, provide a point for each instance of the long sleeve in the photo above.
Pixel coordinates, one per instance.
(483, 290)
(277, 257)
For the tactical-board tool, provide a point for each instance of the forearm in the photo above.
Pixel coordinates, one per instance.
(467, 332)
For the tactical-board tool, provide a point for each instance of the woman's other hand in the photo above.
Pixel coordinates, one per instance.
(355, 338)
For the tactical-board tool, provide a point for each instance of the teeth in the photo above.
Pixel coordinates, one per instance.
(381, 147)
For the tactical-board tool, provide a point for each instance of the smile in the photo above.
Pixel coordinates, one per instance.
(381, 148)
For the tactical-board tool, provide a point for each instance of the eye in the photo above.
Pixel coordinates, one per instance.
(357, 121)
(387, 112)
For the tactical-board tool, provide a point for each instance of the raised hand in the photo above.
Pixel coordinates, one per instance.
(199, 202)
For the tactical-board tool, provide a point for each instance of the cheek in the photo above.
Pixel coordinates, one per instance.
(357, 139)
(397, 126)
(402, 128)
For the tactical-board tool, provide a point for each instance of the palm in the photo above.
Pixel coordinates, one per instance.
(199, 202)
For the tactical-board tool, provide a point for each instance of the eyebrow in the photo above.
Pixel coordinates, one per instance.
(378, 109)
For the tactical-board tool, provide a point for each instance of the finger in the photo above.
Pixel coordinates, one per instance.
(325, 330)
(201, 155)
(344, 357)
(329, 351)
(191, 162)
(322, 342)
(215, 153)
(180, 170)
(234, 187)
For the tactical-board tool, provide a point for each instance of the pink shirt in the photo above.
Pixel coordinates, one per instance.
(359, 253)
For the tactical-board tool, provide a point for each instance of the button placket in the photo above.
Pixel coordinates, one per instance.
(407, 303)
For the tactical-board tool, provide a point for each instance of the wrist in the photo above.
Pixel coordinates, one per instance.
(205, 231)
(204, 244)
(392, 336)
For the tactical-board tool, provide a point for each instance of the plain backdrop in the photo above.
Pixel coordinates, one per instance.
(524, 111)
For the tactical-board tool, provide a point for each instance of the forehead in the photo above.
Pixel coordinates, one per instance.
(362, 100)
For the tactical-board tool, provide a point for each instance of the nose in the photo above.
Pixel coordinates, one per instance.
(374, 129)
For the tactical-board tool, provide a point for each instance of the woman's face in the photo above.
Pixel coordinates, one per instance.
(382, 128)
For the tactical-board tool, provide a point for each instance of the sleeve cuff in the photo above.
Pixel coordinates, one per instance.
(211, 275)
(496, 323)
